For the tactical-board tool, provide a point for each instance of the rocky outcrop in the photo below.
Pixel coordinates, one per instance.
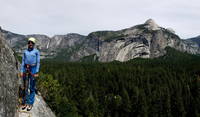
(40, 109)
(171, 30)
(151, 25)
(8, 80)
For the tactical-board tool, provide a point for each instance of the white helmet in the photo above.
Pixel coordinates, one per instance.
(32, 39)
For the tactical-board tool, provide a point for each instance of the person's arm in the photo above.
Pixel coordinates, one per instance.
(22, 65)
(38, 62)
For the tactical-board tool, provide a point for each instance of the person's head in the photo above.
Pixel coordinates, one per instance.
(31, 43)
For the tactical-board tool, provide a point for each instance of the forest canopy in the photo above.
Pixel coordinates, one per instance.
(168, 86)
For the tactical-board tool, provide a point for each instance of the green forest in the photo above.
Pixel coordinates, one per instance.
(168, 86)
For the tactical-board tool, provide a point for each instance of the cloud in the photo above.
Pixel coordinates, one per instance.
(85, 16)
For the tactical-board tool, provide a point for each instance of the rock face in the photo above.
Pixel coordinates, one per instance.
(146, 40)
(124, 49)
(8, 80)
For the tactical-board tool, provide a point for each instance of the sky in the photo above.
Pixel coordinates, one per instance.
(52, 17)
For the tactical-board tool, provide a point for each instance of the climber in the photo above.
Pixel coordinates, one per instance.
(29, 72)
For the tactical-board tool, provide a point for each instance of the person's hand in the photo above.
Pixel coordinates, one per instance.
(21, 75)
(36, 75)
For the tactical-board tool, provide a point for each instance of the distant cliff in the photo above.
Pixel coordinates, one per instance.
(146, 40)
(195, 40)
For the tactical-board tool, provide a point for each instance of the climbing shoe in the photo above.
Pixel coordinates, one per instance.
(24, 107)
(29, 107)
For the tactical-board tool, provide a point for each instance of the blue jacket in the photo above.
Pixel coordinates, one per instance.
(32, 58)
